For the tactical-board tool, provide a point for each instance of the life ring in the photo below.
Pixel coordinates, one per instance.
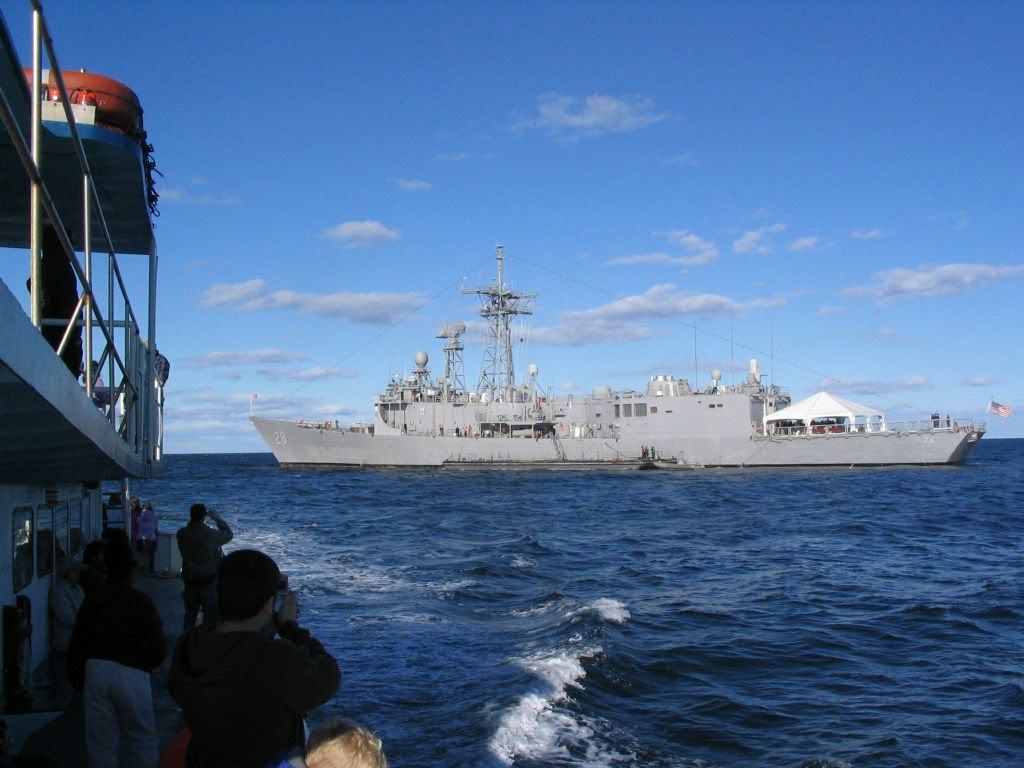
(562, 427)
(117, 106)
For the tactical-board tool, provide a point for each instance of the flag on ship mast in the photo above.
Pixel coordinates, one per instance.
(999, 410)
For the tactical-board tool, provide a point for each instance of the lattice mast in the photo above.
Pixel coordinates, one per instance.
(454, 384)
(498, 305)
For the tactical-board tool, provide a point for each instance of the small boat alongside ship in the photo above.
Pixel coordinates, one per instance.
(423, 421)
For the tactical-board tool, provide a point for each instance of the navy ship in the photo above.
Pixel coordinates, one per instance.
(422, 420)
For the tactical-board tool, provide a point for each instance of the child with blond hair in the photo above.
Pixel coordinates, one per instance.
(342, 743)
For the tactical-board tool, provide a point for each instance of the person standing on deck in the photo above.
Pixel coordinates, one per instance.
(118, 639)
(245, 686)
(148, 526)
(134, 510)
(200, 547)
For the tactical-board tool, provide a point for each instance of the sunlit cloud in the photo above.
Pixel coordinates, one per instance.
(757, 241)
(978, 381)
(804, 244)
(829, 310)
(873, 387)
(868, 234)
(413, 185)
(361, 234)
(591, 116)
(307, 374)
(625, 319)
(371, 307)
(247, 357)
(685, 160)
(942, 280)
(195, 192)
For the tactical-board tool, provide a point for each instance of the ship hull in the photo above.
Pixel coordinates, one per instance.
(300, 444)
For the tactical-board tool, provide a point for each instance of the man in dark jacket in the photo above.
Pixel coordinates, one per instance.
(242, 690)
(200, 547)
(117, 640)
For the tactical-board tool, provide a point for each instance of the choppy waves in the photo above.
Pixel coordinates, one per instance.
(820, 619)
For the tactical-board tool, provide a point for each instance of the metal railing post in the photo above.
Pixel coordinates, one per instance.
(87, 253)
(36, 226)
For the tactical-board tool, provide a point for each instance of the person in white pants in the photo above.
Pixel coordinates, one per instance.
(117, 641)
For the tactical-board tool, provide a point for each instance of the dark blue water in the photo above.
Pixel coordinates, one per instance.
(868, 617)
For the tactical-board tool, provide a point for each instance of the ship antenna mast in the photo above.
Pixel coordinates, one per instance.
(498, 305)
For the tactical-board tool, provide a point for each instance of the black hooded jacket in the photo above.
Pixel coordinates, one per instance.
(244, 694)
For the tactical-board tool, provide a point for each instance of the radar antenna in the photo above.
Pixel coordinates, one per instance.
(498, 305)
(454, 384)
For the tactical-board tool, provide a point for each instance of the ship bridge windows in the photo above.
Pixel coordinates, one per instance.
(23, 554)
(640, 409)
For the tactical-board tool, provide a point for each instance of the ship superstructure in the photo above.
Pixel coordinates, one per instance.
(420, 421)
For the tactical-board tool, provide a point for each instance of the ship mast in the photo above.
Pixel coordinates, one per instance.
(498, 305)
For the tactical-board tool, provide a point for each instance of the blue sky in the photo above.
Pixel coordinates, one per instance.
(837, 183)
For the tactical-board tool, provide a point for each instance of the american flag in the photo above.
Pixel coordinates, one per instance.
(999, 410)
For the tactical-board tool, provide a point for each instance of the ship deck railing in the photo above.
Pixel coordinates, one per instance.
(112, 333)
(884, 428)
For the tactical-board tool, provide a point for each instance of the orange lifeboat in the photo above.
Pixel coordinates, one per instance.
(117, 106)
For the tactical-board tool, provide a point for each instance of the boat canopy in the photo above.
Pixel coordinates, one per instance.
(824, 406)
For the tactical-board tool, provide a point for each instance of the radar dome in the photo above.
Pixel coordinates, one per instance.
(716, 375)
(533, 369)
(421, 359)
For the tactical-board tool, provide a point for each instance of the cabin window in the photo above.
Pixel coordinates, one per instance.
(23, 560)
(44, 541)
(640, 409)
(711, 405)
(627, 410)
(60, 527)
(75, 518)
(617, 414)
(654, 409)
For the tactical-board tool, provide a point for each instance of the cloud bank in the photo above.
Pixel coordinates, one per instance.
(374, 308)
(942, 280)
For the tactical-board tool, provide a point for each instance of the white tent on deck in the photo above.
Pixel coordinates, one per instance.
(826, 409)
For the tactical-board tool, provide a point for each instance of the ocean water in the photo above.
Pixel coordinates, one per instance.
(867, 617)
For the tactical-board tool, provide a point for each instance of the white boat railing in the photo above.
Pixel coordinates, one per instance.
(878, 428)
(131, 401)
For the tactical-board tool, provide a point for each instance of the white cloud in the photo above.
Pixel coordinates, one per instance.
(622, 320)
(700, 250)
(359, 234)
(890, 336)
(234, 293)
(757, 241)
(413, 185)
(195, 192)
(978, 381)
(685, 160)
(372, 308)
(868, 234)
(870, 387)
(942, 280)
(248, 357)
(318, 373)
(592, 116)
(804, 244)
(831, 309)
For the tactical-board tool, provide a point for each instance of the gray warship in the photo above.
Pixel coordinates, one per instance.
(420, 421)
